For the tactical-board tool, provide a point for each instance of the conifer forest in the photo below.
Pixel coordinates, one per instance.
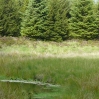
(50, 20)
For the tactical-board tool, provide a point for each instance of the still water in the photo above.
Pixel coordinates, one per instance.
(14, 90)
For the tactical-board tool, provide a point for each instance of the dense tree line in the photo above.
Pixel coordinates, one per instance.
(51, 20)
(83, 20)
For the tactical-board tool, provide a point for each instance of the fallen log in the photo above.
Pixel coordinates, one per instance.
(31, 82)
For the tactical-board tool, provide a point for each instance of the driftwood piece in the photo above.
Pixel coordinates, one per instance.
(31, 82)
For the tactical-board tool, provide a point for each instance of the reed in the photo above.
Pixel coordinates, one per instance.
(74, 65)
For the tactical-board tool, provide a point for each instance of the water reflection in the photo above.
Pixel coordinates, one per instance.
(26, 91)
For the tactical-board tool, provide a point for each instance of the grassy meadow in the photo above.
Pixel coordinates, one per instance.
(74, 65)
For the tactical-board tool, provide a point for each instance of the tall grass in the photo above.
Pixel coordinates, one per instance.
(74, 65)
(78, 77)
(22, 46)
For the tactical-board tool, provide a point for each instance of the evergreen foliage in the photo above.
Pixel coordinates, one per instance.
(57, 21)
(50, 20)
(9, 18)
(97, 17)
(32, 23)
(82, 21)
(46, 20)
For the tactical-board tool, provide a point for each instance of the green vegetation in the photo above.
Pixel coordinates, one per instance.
(22, 46)
(33, 19)
(77, 76)
(56, 24)
(46, 20)
(36, 51)
(9, 18)
(49, 62)
(50, 20)
(83, 20)
(97, 14)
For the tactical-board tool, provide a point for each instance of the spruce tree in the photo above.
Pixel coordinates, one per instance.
(46, 20)
(97, 17)
(9, 18)
(82, 21)
(57, 21)
(33, 19)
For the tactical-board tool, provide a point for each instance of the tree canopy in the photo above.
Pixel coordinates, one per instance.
(51, 20)
(83, 20)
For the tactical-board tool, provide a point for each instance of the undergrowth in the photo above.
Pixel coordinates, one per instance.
(73, 65)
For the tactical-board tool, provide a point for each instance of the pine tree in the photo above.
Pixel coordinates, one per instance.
(9, 18)
(33, 19)
(97, 17)
(61, 24)
(57, 21)
(82, 21)
(46, 20)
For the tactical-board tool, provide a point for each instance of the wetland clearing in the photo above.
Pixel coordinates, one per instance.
(73, 65)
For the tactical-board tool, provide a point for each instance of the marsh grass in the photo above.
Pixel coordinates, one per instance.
(74, 65)
(23, 46)
(78, 77)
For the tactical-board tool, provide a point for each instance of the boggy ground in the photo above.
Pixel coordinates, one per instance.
(73, 65)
